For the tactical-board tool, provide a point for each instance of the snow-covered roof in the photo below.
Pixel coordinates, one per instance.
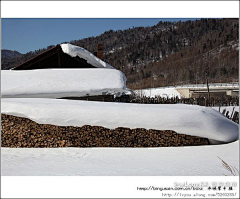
(75, 51)
(185, 119)
(56, 83)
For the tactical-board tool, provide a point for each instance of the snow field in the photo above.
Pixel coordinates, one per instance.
(165, 161)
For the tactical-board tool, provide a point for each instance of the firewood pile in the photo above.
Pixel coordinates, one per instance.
(22, 132)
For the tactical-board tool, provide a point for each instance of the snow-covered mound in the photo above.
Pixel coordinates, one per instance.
(56, 83)
(159, 92)
(185, 119)
(75, 51)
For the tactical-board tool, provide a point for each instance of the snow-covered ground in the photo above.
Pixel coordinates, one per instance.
(55, 83)
(184, 119)
(165, 161)
(161, 92)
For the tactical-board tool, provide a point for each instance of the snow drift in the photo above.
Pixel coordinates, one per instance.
(75, 51)
(186, 119)
(56, 83)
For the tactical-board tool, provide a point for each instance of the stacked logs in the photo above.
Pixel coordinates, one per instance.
(22, 132)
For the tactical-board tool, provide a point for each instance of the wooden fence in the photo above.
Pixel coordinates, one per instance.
(202, 101)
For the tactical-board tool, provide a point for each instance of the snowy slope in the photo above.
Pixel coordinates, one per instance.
(161, 92)
(186, 119)
(166, 161)
(75, 51)
(55, 83)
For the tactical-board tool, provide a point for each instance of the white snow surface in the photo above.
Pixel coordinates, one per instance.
(75, 51)
(159, 92)
(56, 83)
(186, 119)
(164, 161)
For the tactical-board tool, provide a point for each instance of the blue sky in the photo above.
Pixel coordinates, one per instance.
(24, 35)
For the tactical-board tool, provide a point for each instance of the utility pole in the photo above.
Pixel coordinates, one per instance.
(206, 75)
(150, 88)
(196, 77)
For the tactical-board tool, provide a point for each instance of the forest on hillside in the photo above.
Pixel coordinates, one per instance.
(167, 54)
